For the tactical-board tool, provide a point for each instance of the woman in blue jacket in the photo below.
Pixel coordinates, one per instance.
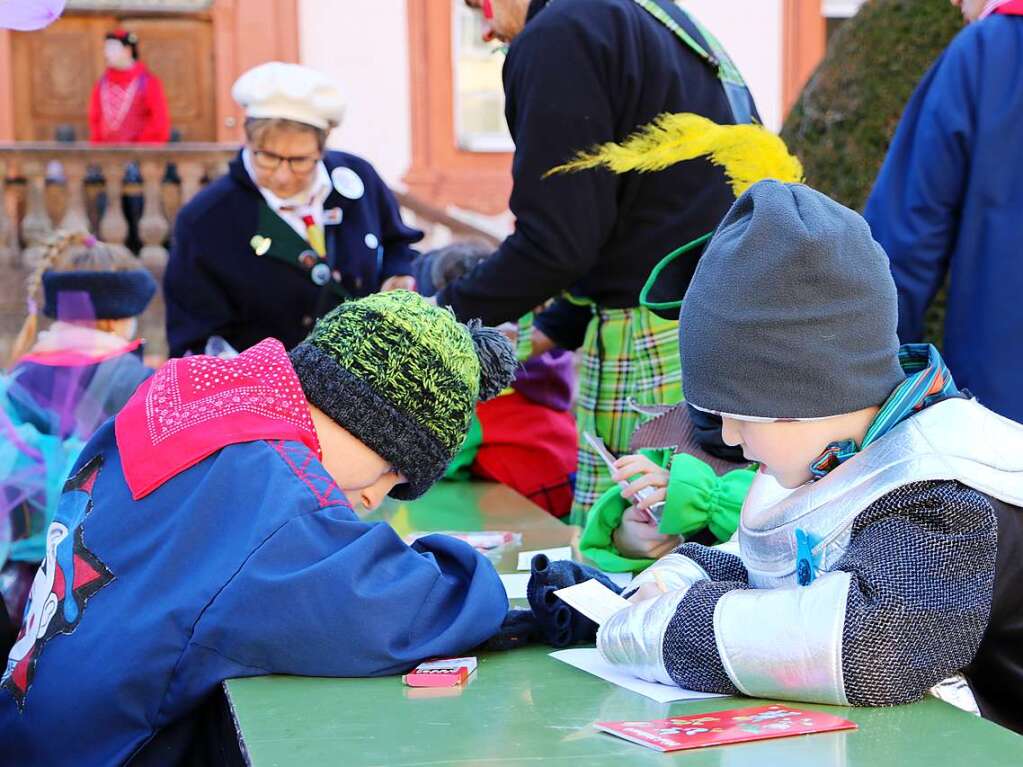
(948, 200)
(290, 232)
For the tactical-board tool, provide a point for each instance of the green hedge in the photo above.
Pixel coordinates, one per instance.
(845, 118)
(846, 115)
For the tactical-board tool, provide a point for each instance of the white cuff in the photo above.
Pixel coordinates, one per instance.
(633, 638)
(786, 642)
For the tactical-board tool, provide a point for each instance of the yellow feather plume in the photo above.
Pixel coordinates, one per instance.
(748, 153)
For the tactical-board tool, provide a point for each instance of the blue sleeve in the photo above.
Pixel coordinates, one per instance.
(914, 207)
(329, 595)
(198, 306)
(396, 237)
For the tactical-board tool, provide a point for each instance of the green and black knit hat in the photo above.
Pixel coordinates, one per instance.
(403, 377)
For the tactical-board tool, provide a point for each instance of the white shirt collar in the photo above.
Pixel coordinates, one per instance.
(312, 198)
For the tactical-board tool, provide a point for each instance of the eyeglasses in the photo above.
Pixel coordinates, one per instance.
(270, 161)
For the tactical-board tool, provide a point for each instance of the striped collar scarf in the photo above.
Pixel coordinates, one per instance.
(928, 381)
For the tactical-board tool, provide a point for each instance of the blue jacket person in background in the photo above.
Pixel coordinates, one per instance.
(949, 201)
(290, 232)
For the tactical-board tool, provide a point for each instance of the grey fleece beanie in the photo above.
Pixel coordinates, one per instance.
(791, 312)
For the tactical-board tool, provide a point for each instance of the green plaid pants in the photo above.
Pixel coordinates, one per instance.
(627, 354)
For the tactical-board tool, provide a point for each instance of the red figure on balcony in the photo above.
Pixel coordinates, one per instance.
(128, 104)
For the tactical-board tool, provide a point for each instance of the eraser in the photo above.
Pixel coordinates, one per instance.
(447, 672)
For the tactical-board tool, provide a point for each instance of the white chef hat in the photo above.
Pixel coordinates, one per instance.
(291, 92)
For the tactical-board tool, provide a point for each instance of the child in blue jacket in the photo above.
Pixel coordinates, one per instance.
(207, 532)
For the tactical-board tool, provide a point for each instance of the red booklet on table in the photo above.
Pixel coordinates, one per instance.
(718, 728)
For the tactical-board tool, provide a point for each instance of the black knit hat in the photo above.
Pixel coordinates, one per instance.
(791, 312)
(112, 295)
(403, 377)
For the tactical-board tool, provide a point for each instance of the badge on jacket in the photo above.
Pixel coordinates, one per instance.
(260, 244)
(347, 183)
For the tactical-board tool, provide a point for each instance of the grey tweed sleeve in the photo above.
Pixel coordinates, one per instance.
(905, 607)
(690, 654)
(922, 561)
(717, 562)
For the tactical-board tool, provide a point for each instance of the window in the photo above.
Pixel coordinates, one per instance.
(461, 151)
(479, 94)
(837, 11)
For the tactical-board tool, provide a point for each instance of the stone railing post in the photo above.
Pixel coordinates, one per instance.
(8, 233)
(191, 173)
(153, 226)
(36, 225)
(113, 227)
(75, 217)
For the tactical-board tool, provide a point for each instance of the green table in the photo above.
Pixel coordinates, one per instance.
(522, 707)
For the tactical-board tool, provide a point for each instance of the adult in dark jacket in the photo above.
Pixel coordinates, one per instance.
(290, 232)
(948, 199)
(581, 73)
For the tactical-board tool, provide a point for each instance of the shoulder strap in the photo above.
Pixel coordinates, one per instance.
(286, 245)
(699, 39)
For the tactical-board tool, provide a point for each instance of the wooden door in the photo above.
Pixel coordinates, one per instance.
(54, 71)
(56, 68)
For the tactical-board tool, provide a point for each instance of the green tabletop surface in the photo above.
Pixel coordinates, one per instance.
(523, 707)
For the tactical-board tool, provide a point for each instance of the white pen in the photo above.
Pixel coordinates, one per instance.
(600, 449)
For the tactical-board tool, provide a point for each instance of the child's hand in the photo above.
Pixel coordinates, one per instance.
(399, 282)
(648, 591)
(637, 537)
(652, 475)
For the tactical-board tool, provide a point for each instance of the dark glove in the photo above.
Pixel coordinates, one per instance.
(560, 625)
(519, 629)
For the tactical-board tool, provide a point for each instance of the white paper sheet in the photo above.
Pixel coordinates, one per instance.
(526, 557)
(619, 579)
(593, 599)
(515, 584)
(588, 659)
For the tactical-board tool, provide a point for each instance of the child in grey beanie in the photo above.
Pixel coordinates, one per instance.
(884, 567)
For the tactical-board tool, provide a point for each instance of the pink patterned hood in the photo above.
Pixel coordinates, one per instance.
(192, 407)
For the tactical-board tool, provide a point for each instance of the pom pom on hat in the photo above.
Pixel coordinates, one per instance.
(290, 92)
(497, 359)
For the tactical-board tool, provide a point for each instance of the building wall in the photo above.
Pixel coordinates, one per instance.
(365, 46)
(751, 31)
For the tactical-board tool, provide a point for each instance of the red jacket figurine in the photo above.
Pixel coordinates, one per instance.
(128, 104)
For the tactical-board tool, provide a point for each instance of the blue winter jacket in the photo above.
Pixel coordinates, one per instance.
(949, 201)
(251, 562)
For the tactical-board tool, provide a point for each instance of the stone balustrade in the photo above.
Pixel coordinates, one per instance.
(51, 186)
(55, 185)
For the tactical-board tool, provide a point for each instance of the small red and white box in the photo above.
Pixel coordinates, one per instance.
(446, 672)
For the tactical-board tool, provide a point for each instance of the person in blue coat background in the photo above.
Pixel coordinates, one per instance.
(208, 532)
(949, 201)
(290, 232)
